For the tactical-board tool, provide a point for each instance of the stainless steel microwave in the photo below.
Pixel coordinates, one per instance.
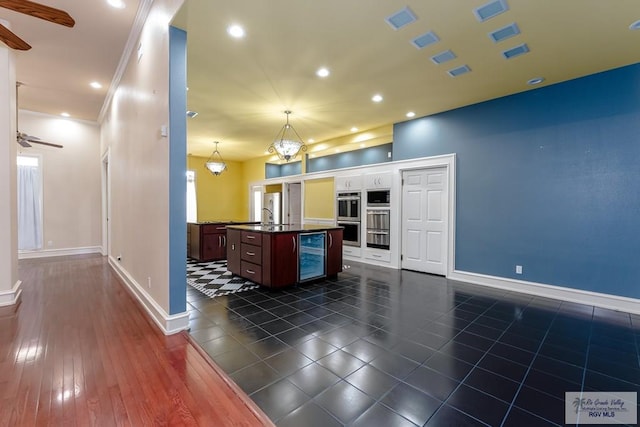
(378, 197)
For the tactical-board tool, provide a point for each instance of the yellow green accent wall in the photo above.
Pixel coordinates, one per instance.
(223, 197)
(319, 198)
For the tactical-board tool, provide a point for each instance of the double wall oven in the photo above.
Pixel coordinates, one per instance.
(378, 219)
(348, 209)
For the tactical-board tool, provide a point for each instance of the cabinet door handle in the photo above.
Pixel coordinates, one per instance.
(221, 228)
(250, 253)
(330, 240)
(219, 241)
(251, 237)
(293, 239)
(250, 271)
(224, 241)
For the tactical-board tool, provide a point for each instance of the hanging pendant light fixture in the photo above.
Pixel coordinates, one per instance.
(215, 164)
(287, 143)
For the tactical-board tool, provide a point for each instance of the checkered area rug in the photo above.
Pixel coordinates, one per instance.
(213, 279)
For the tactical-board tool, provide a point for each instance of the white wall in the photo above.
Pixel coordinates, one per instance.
(71, 182)
(139, 167)
(9, 283)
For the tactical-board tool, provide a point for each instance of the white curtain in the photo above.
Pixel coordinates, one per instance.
(29, 210)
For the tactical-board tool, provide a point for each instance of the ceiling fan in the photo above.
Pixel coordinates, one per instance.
(24, 139)
(37, 10)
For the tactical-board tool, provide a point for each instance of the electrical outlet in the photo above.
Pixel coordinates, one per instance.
(149, 282)
(518, 269)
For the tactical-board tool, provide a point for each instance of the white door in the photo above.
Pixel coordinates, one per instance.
(424, 220)
(294, 202)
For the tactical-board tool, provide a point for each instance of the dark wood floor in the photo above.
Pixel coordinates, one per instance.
(78, 350)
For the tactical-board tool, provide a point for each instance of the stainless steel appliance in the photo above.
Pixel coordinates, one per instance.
(271, 208)
(378, 226)
(378, 198)
(348, 208)
(351, 233)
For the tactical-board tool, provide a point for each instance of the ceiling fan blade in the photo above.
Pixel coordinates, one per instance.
(50, 144)
(24, 143)
(11, 40)
(39, 11)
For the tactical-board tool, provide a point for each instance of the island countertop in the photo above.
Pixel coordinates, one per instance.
(283, 228)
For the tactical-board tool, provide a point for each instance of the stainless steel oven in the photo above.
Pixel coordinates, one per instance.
(351, 232)
(378, 228)
(348, 206)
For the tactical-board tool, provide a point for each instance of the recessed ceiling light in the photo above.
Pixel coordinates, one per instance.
(535, 81)
(354, 129)
(311, 140)
(411, 114)
(95, 85)
(323, 72)
(635, 25)
(236, 31)
(65, 114)
(118, 4)
(377, 98)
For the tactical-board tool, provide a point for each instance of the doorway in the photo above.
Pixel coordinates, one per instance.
(106, 205)
(425, 220)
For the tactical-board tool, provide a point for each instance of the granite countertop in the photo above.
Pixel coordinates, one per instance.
(284, 228)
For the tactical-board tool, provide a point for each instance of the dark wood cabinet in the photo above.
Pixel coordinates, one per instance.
(233, 251)
(334, 252)
(279, 259)
(208, 242)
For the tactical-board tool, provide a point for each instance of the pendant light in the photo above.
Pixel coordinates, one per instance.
(215, 164)
(287, 143)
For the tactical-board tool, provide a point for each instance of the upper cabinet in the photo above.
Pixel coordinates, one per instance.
(378, 180)
(349, 183)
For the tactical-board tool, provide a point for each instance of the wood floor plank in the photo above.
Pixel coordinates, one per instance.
(79, 351)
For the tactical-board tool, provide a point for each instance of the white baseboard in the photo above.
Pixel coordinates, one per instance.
(612, 302)
(11, 297)
(45, 253)
(169, 324)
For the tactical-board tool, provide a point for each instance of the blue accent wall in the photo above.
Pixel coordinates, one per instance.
(362, 157)
(177, 171)
(285, 169)
(548, 179)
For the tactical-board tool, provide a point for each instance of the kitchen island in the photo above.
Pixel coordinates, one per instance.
(276, 256)
(207, 241)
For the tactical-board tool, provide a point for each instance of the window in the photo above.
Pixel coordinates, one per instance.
(257, 203)
(192, 201)
(29, 203)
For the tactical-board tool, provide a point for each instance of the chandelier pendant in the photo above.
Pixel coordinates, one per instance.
(287, 143)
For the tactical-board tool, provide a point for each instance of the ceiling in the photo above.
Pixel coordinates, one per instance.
(241, 87)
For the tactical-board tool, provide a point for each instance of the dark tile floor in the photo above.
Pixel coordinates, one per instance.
(383, 347)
